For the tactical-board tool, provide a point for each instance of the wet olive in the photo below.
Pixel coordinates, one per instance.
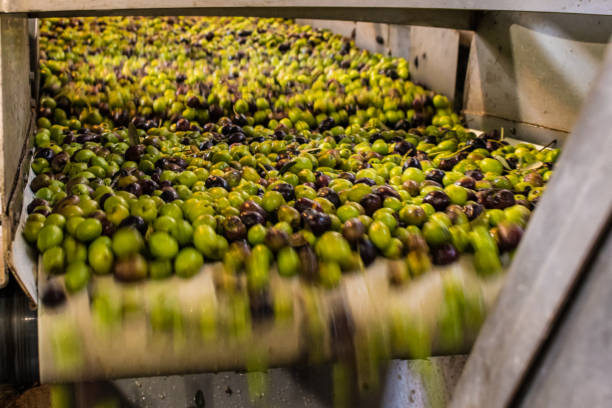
(134, 221)
(444, 254)
(317, 221)
(438, 199)
(353, 230)
(371, 202)
(234, 228)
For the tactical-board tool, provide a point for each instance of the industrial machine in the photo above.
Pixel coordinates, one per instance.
(541, 70)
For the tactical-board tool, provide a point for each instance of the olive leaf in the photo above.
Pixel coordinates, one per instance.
(503, 161)
(132, 135)
(533, 166)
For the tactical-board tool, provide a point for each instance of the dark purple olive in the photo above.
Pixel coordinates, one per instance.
(330, 195)
(370, 203)
(59, 162)
(347, 176)
(492, 145)
(286, 189)
(444, 254)
(134, 188)
(250, 205)
(412, 162)
(438, 199)
(53, 294)
(436, 175)
(98, 215)
(524, 203)
(475, 174)
(131, 269)
(404, 147)
(448, 163)
(236, 137)
(412, 187)
(261, 305)
(386, 191)
(169, 194)
(353, 230)
(302, 204)
(467, 182)
(367, 251)
(297, 240)
(342, 330)
(40, 181)
(499, 199)
(216, 181)
(134, 221)
(473, 210)
(37, 202)
(69, 200)
(322, 180)
(509, 235)
(193, 102)
(44, 153)
(365, 180)
(134, 153)
(276, 239)
(42, 209)
(108, 228)
(317, 221)
(476, 143)
(182, 125)
(148, 186)
(250, 218)
(309, 265)
(234, 228)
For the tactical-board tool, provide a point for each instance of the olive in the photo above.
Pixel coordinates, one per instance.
(509, 235)
(302, 204)
(467, 182)
(498, 199)
(342, 330)
(317, 221)
(386, 191)
(438, 199)
(134, 221)
(447, 164)
(309, 264)
(130, 269)
(40, 181)
(58, 164)
(134, 188)
(436, 175)
(216, 181)
(444, 254)
(330, 195)
(367, 251)
(234, 228)
(260, 305)
(169, 194)
(347, 176)
(252, 206)
(53, 294)
(365, 180)
(322, 181)
(37, 202)
(276, 239)
(353, 230)
(404, 147)
(475, 174)
(44, 153)
(473, 210)
(412, 162)
(250, 218)
(371, 202)
(148, 186)
(134, 153)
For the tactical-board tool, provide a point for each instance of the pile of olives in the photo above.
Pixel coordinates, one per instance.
(167, 143)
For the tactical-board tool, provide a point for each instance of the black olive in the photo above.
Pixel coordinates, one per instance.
(367, 251)
(438, 199)
(412, 162)
(475, 174)
(134, 221)
(37, 202)
(134, 188)
(169, 194)
(473, 210)
(444, 254)
(216, 181)
(509, 236)
(250, 218)
(309, 265)
(347, 176)
(404, 147)
(53, 294)
(330, 195)
(250, 205)
(467, 182)
(40, 181)
(317, 221)
(353, 230)
(234, 228)
(182, 125)
(386, 191)
(370, 203)
(365, 180)
(276, 239)
(45, 153)
(148, 186)
(436, 175)
(303, 203)
(134, 153)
